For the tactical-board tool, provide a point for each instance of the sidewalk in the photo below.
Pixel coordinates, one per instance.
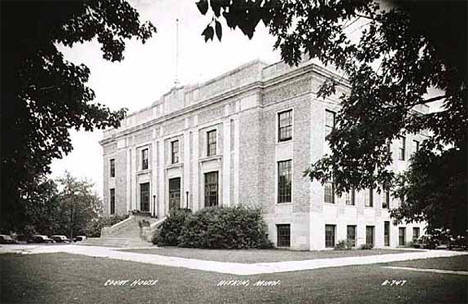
(224, 267)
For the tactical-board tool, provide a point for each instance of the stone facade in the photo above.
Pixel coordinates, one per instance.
(242, 109)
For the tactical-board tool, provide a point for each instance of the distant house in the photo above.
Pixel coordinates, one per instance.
(246, 137)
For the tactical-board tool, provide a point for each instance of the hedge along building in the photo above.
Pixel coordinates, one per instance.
(246, 137)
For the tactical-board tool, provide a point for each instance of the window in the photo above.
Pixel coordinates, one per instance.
(401, 201)
(284, 181)
(211, 189)
(386, 201)
(174, 193)
(144, 196)
(112, 201)
(211, 143)
(402, 148)
(351, 235)
(350, 197)
(415, 234)
(416, 145)
(283, 233)
(144, 159)
(386, 233)
(369, 200)
(329, 236)
(175, 152)
(112, 167)
(285, 125)
(370, 235)
(329, 122)
(329, 193)
(402, 236)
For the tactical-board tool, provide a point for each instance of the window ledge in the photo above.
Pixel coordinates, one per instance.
(282, 204)
(209, 158)
(282, 142)
(176, 165)
(145, 171)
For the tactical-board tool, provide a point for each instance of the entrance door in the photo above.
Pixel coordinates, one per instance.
(402, 236)
(144, 197)
(174, 193)
(370, 235)
(387, 233)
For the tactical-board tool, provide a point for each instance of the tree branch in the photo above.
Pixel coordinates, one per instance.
(366, 17)
(429, 100)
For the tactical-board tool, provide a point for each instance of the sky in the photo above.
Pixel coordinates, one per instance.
(148, 70)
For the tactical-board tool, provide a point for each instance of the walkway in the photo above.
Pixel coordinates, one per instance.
(224, 267)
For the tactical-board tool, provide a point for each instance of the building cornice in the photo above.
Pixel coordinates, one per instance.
(258, 85)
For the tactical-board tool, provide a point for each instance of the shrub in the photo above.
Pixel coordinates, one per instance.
(94, 227)
(170, 229)
(155, 237)
(225, 227)
(366, 246)
(344, 245)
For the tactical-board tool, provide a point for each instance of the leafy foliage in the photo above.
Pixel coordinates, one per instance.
(78, 206)
(42, 208)
(171, 228)
(391, 57)
(435, 183)
(67, 211)
(366, 246)
(344, 245)
(155, 237)
(94, 227)
(227, 228)
(223, 227)
(44, 95)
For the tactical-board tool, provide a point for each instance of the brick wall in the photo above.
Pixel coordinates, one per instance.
(247, 152)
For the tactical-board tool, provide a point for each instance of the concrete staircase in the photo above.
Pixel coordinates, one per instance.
(127, 233)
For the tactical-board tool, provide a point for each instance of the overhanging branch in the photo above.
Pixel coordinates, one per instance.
(429, 100)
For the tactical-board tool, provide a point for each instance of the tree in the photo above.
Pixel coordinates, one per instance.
(42, 205)
(43, 95)
(401, 52)
(68, 211)
(78, 205)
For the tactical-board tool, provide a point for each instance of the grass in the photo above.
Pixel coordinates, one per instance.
(456, 263)
(259, 255)
(63, 278)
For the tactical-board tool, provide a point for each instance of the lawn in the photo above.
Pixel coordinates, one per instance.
(456, 263)
(259, 255)
(63, 278)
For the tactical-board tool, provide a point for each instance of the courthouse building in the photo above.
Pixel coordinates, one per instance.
(246, 137)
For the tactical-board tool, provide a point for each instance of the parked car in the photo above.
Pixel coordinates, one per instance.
(58, 238)
(79, 238)
(442, 240)
(426, 242)
(458, 243)
(37, 238)
(21, 238)
(6, 239)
